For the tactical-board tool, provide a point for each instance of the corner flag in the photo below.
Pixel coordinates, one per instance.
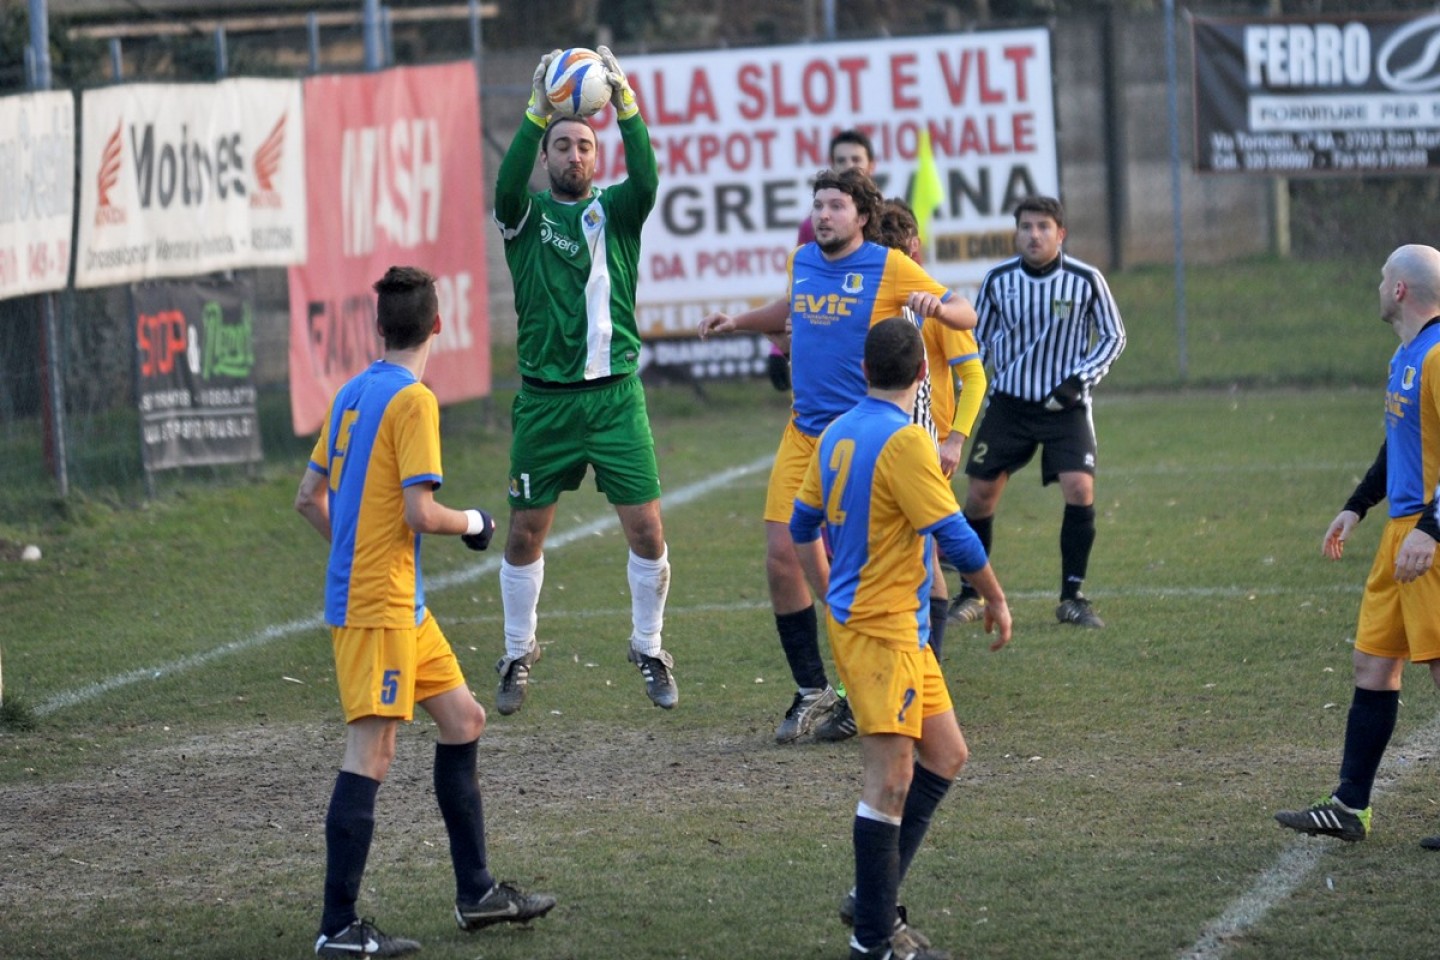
(926, 192)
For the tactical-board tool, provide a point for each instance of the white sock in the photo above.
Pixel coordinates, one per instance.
(520, 596)
(649, 585)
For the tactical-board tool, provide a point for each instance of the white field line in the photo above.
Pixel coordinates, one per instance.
(279, 631)
(1301, 856)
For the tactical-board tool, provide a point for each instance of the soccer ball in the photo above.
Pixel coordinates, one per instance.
(576, 84)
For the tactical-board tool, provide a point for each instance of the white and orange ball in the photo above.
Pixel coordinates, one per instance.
(575, 83)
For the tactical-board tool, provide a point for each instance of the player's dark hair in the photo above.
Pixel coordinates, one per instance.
(855, 137)
(545, 137)
(893, 354)
(859, 187)
(406, 306)
(1045, 206)
(897, 225)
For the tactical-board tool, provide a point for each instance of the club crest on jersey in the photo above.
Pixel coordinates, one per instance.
(1407, 379)
(593, 217)
(854, 283)
(1062, 308)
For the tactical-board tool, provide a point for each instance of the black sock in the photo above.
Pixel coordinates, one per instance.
(984, 527)
(1077, 536)
(349, 825)
(800, 639)
(926, 791)
(939, 607)
(1367, 734)
(877, 880)
(458, 793)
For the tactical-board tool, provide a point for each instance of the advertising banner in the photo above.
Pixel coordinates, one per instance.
(195, 345)
(1334, 94)
(740, 134)
(180, 179)
(37, 205)
(690, 359)
(394, 173)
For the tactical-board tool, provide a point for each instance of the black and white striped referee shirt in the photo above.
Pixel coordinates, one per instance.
(1037, 328)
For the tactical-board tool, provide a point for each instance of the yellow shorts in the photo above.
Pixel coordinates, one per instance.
(890, 691)
(786, 477)
(1399, 620)
(384, 672)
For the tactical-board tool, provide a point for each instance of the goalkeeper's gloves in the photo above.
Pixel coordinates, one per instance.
(1067, 395)
(482, 527)
(540, 106)
(622, 97)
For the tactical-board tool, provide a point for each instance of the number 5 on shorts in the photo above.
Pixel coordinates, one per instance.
(389, 687)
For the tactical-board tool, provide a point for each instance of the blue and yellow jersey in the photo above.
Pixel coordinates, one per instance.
(382, 435)
(833, 304)
(947, 350)
(876, 484)
(1412, 423)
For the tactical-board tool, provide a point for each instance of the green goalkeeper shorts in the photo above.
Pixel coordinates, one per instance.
(559, 431)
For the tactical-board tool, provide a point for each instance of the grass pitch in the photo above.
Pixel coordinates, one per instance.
(1118, 801)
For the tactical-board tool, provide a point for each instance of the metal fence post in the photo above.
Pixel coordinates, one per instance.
(38, 60)
(371, 27)
(222, 55)
(312, 36)
(1177, 204)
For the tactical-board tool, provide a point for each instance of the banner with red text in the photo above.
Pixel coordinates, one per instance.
(740, 134)
(195, 345)
(37, 204)
(394, 175)
(186, 178)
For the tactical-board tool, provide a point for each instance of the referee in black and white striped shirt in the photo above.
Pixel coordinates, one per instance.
(1049, 330)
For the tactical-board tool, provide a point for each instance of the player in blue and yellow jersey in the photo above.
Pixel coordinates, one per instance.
(840, 286)
(574, 257)
(1398, 620)
(875, 483)
(369, 490)
(949, 402)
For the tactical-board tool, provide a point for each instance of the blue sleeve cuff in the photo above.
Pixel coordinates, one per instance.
(959, 543)
(805, 523)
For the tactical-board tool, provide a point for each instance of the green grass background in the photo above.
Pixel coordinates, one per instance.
(1121, 786)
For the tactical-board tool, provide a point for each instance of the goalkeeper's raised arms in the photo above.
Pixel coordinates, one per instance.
(623, 99)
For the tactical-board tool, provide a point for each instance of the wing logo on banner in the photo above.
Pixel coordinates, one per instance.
(107, 178)
(267, 165)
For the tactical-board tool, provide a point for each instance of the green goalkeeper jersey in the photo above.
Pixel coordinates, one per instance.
(575, 265)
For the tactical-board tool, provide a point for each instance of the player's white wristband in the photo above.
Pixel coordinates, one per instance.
(475, 522)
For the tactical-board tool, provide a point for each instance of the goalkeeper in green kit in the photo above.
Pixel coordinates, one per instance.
(574, 256)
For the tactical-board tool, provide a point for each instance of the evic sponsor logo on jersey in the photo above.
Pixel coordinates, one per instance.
(186, 172)
(826, 308)
(1396, 401)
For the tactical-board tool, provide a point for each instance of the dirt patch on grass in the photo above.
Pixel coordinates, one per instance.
(193, 814)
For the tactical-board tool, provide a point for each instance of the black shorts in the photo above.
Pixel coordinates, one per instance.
(1013, 428)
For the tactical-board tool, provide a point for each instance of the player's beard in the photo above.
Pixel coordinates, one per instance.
(835, 244)
(572, 183)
